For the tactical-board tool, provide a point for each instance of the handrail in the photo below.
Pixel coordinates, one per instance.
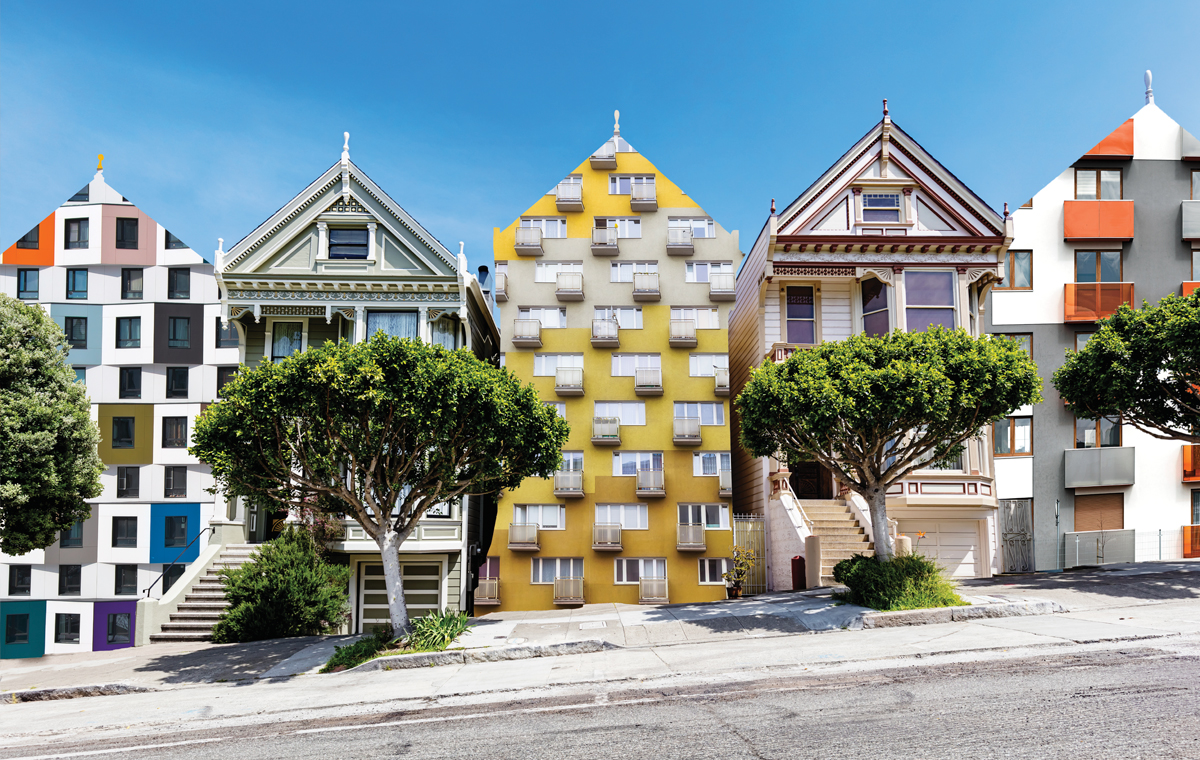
(146, 590)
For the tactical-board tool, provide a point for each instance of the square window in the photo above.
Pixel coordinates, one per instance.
(129, 332)
(171, 574)
(125, 582)
(124, 532)
(30, 239)
(227, 334)
(348, 244)
(131, 284)
(881, 207)
(118, 628)
(174, 432)
(179, 332)
(66, 628)
(80, 375)
(27, 283)
(77, 283)
(70, 580)
(175, 482)
(20, 580)
(179, 283)
(1018, 271)
(130, 382)
(16, 628)
(127, 233)
(129, 482)
(930, 299)
(177, 382)
(122, 432)
(224, 375)
(176, 532)
(1012, 436)
(75, 233)
(173, 243)
(72, 537)
(288, 337)
(76, 329)
(712, 570)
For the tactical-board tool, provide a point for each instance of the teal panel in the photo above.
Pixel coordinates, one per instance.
(35, 631)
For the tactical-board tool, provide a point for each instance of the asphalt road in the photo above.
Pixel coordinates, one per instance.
(1121, 702)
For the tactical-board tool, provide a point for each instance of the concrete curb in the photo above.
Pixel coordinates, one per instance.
(72, 692)
(955, 614)
(465, 656)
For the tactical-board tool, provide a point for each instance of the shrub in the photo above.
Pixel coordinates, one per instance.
(359, 652)
(437, 630)
(286, 589)
(908, 582)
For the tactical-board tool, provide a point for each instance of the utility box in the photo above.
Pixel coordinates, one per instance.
(799, 582)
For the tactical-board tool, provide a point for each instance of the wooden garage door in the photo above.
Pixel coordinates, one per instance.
(1100, 511)
(953, 544)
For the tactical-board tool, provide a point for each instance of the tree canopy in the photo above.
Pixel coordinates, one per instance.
(380, 431)
(1142, 367)
(48, 459)
(873, 409)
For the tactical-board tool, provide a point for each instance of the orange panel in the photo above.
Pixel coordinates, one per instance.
(1090, 301)
(1116, 220)
(42, 256)
(1188, 288)
(1097, 220)
(1191, 463)
(1191, 541)
(1119, 144)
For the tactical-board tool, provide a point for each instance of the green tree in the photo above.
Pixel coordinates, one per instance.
(381, 431)
(1142, 367)
(873, 409)
(48, 459)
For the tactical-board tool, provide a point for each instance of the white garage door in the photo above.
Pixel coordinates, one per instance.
(953, 544)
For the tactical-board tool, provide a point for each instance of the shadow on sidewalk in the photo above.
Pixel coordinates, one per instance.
(1141, 582)
(224, 662)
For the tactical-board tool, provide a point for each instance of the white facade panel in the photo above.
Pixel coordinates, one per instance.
(1014, 477)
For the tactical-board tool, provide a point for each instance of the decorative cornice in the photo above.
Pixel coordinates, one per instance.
(947, 188)
(292, 295)
(884, 274)
(793, 271)
(282, 222)
(833, 179)
(885, 257)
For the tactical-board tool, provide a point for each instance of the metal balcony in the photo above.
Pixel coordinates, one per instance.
(1105, 466)
(604, 241)
(645, 286)
(606, 431)
(568, 381)
(1191, 463)
(1191, 220)
(687, 431)
(606, 333)
(721, 382)
(647, 381)
(1097, 220)
(650, 483)
(1090, 301)
(725, 484)
(568, 590)
(721, 286)
(527, 333)
(568, 286)
(683, 333)
(606, 157)
(529, 241)
(1187, 288)
(501, 288)
(568, 484)
(568, 196)
(652, 591)
(523, 537)
(679, 241)
(691, 538)
(487, 594)
(643, 198)
(606, 537)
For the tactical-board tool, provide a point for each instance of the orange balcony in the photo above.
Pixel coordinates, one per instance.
(1188, 288)
(1098, 220)
(1191, 541)
(1089, 301)
(1191, 463)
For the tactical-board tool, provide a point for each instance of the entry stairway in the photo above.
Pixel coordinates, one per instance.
(201, 607)
(841, 534)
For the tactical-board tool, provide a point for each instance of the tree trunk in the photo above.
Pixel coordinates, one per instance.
(389, 552)
(884, 549)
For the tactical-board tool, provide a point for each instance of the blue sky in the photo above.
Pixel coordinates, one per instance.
(212, 115)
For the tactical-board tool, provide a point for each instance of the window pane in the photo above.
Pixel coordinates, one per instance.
(1001, 433)
(131, 382)
(876, 324)
(1022, 435)
(801, 332)
(1110, 266)
(179, 283)
(1110, 433)
(118, 628)
(27, 283)
(1085, 266)
(920, 320)
(179, 332)
(227, 334)
(874, 295)
(1022, 274)
(69, 579)
(398, 324)
(1085, 434)
(1110, 185)
(929, 288)
(122, 432)
(287, 338)
(129, 332)
(1085, 184)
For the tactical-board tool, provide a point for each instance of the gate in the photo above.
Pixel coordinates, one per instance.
(749, 532)
(1016, 532)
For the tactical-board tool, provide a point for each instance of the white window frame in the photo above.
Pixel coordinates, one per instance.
(529, 312)
(695, 410)
(640, 361)
(559, 407)
(536, 565)
(701, 227)
(541, 362)
(627, 227)
(899, 208)
(551, 226)
(628, 412)
(572, 461)
(706, 510)
(656, 460)
(627, 317)
(641, 514)
(697, 363)
(520, 518)
(614, 182)
(618, 270)
(620, 573)
(702, 271)
(706, 570)
(723, 459)
(953, 307)
(705, 317)
(547, 271)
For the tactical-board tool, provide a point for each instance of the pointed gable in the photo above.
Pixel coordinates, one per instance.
(1119, 143)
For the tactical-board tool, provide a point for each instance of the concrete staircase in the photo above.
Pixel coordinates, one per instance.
(201, 607)
(841, 535)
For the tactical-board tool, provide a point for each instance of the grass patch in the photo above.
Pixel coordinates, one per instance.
(430, 633)
(910, 582)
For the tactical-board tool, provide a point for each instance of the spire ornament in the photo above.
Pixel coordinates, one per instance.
(1149, 89)
(616, 123)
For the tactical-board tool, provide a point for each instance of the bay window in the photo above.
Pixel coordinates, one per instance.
(875, 317)
(398, 324)
(929, 299)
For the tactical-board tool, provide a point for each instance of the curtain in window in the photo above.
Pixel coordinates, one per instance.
(398, 324)
(444, 332)
(286, 339)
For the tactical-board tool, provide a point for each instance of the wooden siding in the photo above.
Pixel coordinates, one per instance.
(1100, 511)
(256, 341)
(746, 349)
(835, 310)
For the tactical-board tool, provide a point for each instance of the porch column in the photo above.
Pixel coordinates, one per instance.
(322, 240)
(371, 226)
(423, 323)
(360, 324)
(901, 300)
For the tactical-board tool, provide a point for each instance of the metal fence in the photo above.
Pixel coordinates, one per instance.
(749, 532)
(1105, 547)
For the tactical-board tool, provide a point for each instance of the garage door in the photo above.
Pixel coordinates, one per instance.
(422, 593)
(953, 544)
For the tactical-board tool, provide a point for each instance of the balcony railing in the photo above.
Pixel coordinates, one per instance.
(568, 590)
(527, 333)
(679, 241)
(487, 594)
(606, 537)
(605, 158)
(650, 482)
(1191, 463)
(725, 483)
(501, 289)
(691, 537)
(645, 286)
(1191, 541)
(569, 286)
(529, 241)
(721, 381)
(568, 196)
(606, 431)
(1191, 220)
(604, 241)
(643, 198)
(568, 483)
(606, 333)
(721, 286)
(1105, 466)
(683, 333)
(687, 431)
(1098, 220)
(523, 537)
(652, 591)
(647, 381)
(1090, 301)
(568, 381)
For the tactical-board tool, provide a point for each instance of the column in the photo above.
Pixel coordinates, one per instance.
(901, 321)
(360, 324)
(322, 240)
(423, 323)
(371, 226)
(964, 299)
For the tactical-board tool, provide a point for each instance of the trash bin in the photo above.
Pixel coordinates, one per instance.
(798, 581)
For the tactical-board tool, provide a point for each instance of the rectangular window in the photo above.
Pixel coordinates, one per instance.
(118, 629)
(179, 282)
(1081, 340)
(545, 516)
(627, 317)
(27, 283)
(630, 570)
(20, 580)
(171, 242)
(559, 407)
(705, 318)
(708, 412)
(702, 271)
(76, 329)
(546, 569)
(174, 432)
(628, 412)
(1018, 271)
(701, 228)
(545, 365)
(130, 382)
(1012, 437)
(30, 239)
(128, 482)
(626, 227)
(122, 432)
(627, 463)
(1098, 266)
(131, 284)
(572, 461)
(124, 532)
(224, 375)
(711, 516)
(179, 332)
(1196, 507)
(175, 482)
(72, 537)
(75, 233)
(171, 573)
(628, 516)
(706, 365)
(348, 244)
(66, 628)
(875, 319)
(129, 332)
(623, 365)
(1098, 184)
(547, 271)
(709, 463)
(881, 207)
(1024, 340)
(125, 580)
(801, 315)
(713, 570)
(227, 334)
(177, 382)
(1196, 184)
(16, 628)
(551, 228)
(70, 580)
(398, 324)
(550, 317)
(620, 185)
(929, 299)
(1090, 434)
(80, 375)
(127, 233)
(77, 283)
(176, 532)
(623, 271)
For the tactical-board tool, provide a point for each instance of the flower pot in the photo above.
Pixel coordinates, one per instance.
(733, 592)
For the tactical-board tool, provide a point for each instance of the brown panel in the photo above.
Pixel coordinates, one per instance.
(143, 434)
(1100, 511)
(163, 311)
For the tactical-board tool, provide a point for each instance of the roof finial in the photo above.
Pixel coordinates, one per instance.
(616, 123)
(885, 109)
(1149, 89)
(346, 147)
(219, 254)
(100, 161)
(1006, 209)
(772, 207)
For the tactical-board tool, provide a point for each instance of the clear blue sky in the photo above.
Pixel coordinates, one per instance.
(213, 114)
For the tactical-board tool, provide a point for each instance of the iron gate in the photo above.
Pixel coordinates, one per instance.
(749, 532)
(1016, 532)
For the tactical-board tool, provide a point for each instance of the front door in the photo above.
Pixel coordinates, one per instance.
(811, 480)
(1016, 531)
(422, 582)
